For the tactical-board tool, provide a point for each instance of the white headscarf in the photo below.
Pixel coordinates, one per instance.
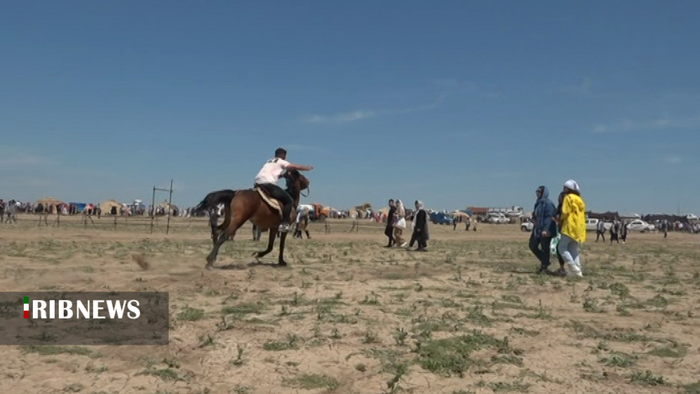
(419, 205)
(571, 184)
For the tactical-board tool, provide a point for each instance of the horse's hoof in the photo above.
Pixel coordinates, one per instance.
(282, 263)
(208, 267)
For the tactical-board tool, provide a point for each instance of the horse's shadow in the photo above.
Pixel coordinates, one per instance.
(235, 266)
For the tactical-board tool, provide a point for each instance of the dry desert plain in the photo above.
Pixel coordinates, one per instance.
(350, 316)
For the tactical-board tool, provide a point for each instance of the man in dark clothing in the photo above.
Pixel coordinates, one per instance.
(389, 231)
(614, 231)
(545, 227)
(420, 228)
(623, 231)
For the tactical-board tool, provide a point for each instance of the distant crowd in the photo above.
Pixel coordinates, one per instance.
(9, 210)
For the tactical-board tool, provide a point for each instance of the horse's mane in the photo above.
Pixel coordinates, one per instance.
(291, 177)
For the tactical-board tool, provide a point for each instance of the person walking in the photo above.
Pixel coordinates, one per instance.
(623, 231)
(664, 227)
(544, 229)
(10, 211)
(573, 226)
(557, 220)
(421, 233)
(614, 231)
(389, 230)
(600, 230)
(399, 224)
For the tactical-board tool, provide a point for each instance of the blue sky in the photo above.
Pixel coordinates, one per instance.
(455, 102)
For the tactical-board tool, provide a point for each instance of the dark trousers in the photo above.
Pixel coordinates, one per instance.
(598, 235)
(389, 232)
(613, 237)
(420, 239)
(540, 248)
(283, 197)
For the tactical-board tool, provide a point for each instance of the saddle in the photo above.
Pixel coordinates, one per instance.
(274, 204)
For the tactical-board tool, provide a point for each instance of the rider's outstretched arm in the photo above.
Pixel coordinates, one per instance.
(299, 167)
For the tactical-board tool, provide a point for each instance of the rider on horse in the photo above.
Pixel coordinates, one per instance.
(267, 180)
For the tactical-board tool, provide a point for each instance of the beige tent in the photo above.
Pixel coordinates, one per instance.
(111, 207)
(384, 211)
(165, 205)
(50, 204)
(50, 201)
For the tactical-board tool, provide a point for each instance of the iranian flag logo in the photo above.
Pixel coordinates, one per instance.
(26, 307)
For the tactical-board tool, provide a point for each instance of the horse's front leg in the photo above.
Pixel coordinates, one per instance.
(280, 260)
(211, 258)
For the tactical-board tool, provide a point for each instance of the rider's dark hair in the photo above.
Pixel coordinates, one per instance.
(280, 152)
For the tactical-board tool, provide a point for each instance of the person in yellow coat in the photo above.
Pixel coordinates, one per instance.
(572, 227)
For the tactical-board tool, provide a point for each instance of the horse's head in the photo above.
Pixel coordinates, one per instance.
(296, 179)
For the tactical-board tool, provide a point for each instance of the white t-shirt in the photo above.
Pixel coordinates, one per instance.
(271, 171)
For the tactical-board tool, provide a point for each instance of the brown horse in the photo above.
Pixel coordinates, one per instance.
(247, 204)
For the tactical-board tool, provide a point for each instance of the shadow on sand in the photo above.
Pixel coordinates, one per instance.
(234, 266)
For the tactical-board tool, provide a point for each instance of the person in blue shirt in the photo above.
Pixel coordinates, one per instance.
(545, 228)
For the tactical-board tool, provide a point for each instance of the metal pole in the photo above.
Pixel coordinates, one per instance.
(170, 205)
(153, 207)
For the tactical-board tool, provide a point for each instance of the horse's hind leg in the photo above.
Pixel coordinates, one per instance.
(270, 244)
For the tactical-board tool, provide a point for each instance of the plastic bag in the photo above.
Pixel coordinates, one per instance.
(554, 243)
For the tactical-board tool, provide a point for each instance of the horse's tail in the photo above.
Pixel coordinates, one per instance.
(213, 199)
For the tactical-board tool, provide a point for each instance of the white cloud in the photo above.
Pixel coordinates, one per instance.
(16, 156)
(663, 123)
(341, 118)
(352, 116)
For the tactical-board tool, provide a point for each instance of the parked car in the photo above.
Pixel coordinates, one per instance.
(441, 218)
(527, 226)
(640, 225)
(592, 225)
(497, 218)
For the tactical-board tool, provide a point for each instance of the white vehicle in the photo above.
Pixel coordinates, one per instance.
(497, 218)
(527, 226)
(592, 225)
(640, 225)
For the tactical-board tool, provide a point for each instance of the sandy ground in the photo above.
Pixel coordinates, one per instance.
(350, 316)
